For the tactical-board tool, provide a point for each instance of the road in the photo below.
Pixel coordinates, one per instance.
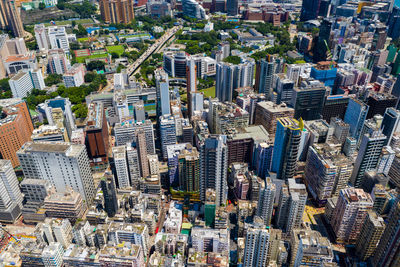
(159, 43)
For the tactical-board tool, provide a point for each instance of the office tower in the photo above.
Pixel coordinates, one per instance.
(189, 170)
(267, 114)
(321, 49)
(385, 161)
(191, 84)
(133, 165)
(370, 126)
(57, 61)
(381, 199)
(349, 214)
(193, 9)
(110, 195)
(97, 136)
(75, 76)
(25, 81)
(10, 18)
(394, 23)
(174, 63)
(230, 77)
(265, 205)
(379, 102)
(310, 10)
(125, 133)
(214, 167)
(327, 171)
(379, 37)
(262, 158)
(284, 88)
(370, 234)
(355, 116)
(41, 37)
(15, 128)
(286, 148)
(162, 93)
(10, 195)
(142, 153)
(167, 133)
(232, 7)
(368, 156)
(292, 201)
(117, 11)
(58, 38)
(63, 164)
(121, 166)
(256, 247)
(308, 100)
(173, 162)
(264, 75)
(390, 123)
(309, 248)
(387, 251)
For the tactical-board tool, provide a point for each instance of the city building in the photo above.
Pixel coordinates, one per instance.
(142, 153)
(10, 194)
(117, 11)
(163, 99)
(121, 166)
(52, 255)
(41, 37)
(264, 75)
(266, 202)
(75, 76)
(11, 19)
(58, 38)
(24, 81)
(16, 128)
(355, 116)
(57, 61)
(35, 190)
(256, 247)
(292, 202)
(286, 148)
(174, 63)
(189, 170)
(158, 8)
(167, 133)
(335, 106)
(349, 214)
(379, 102)
(370, 235)
(214, 167)
(63, 164)
(193, 9)
(390, 123)
(110, 195)
(210, 240)
(125, 132)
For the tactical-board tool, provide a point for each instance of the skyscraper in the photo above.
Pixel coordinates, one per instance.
(349, 214)
(355, 116)
(117, 11)
(214, 167)
(193, 9)
(41, 37)
(292, 201)
(309, 10)
(167, 133)
(286, 148)
(133, 164)
(189, 170)
(264, 74)
(370, 234)
(10, 195)
(10, 17)
(110, 195)
(256, 247)
(191, 83)
(121, 166)
(162, 93)
(63, 164)
(387, 252)
(390, 123)
(379, 102)
(232, 7)
(321, 48)
(142, 153)
(368, 156)
(266, 202)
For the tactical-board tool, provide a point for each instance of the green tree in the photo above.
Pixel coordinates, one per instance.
(80, 110)
(52, 79)
(89, 77)
(232, 59)
(42, 6)
(96, 65)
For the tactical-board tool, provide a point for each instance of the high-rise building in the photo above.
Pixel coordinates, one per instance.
(379, 102)
(390, 123)
(379, 37)
(214, 167)
(41, 37)
(264, 75)
(370, 234)
(256, 247)
(35, 190)
(349, 214)
(117, 11)
(10, 17)
(110, 195)
(225, 48)
(355, 116)
(60, 106)
(394, 23)
(75, 76)
(142, 153)
(230, 77)
(167, 133)
(121, 166)
(327, 171)
(57, 61)
(191, 83)
(381, 199)
(335, 106)
(125, 133)
(133, 164)
(308, 100)
(267, 114)
(63, 164)
(284, 88)
(158, 8)
(193, 9)
(286, 148)
(309, 248)
(15, 128)
(321, 48)
(58, 38)
(189, 170)
(52, 255)
(162, 93)
(310, 10)
(232, 7)
(292, 202)
(25, 81)
(265, 205)
(368, 156)
(10, 195)
(387, 251)
(97, 136)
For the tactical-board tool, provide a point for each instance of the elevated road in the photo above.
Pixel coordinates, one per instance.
(159, 43)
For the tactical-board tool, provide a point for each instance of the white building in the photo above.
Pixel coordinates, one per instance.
(24, 81)
(57, 61)
(154, 164)
(167, 132)
(63, 164)
(58, 38)
(216, 240)
(121, 166)
(75, 76)
(266, 202)
(41, 37)
(52, 255)
(10, 195)
(256, 247)
(133, 163)
(125, 132)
